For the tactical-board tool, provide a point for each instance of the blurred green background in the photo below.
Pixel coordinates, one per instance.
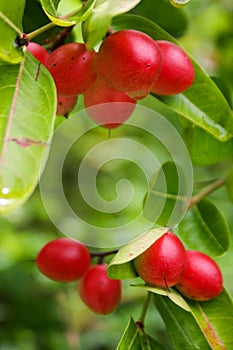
(39, 314)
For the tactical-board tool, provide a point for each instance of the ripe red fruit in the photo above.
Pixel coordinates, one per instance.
(38, 52)
(202, 278)
(109, 115)
(63, 260)
(163, 263)
(100, 293)
(65, 104)
(177, 72)
(129, 60)
(72, 68)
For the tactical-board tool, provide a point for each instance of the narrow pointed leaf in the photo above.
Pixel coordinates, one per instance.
(172, 294)
(11, 14)
(28, 106)
(121, 265)
(215, 319)
(205, 229)
(130, 339)
(203, 103)
(182, 328)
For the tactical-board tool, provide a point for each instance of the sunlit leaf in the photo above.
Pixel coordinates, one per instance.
(179, 3)
(28, 106)
(11, 14)
(171, 293)
(205, 229)
(203, 103)
(80, 14)
(121, 265)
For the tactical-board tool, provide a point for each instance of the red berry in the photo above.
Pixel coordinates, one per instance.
(177, 72)
(202, 278)
(72, 68)
(38, 52)
(100, 293)
(63, 260)
(65, 104)
(129, 60)
(109, 115)
(163, 263)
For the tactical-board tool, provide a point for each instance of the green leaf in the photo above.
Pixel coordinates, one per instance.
(181, 326)
(11, 14)
(149, 343)
(51, 9)
(215, 319)
(97, 24)
(204, 148)
(203, 103)
(171, 293)
(130, 339)
(28, 106)
(166, 198)
(205, 229)
(121, 265)
(179, 3)
(171, 19)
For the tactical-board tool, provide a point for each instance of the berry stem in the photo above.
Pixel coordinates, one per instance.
(141, 320)
(103, 254)
(207, 190)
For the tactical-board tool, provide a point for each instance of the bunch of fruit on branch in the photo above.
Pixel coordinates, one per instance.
(127, 67)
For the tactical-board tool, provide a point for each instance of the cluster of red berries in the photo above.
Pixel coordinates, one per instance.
(166, 263)
(68, 260)
(128, 66)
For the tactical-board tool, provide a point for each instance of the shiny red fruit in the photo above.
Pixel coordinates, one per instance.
(177, 72)
(65, 104)
(38, 52)
(63, 260)
(100, 293)
(105, 113)
(129, 60)
(202, 278)
(72, 68)
(163, 263)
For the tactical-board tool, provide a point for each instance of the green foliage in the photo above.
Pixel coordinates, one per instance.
(38, 313)
(27, 121)
(204, 228)
(11, 25)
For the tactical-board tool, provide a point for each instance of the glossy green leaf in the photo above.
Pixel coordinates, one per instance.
(97, 24)
(204, 148)
(121, 265)
(11, 14)
(149, 343)
(215, 319)
(205, 229)
(130, 339)
(171, 293)
(203, 103)
(80, 14)
(28, 106)
(166, 198)
(182, 328)
(171, 19)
